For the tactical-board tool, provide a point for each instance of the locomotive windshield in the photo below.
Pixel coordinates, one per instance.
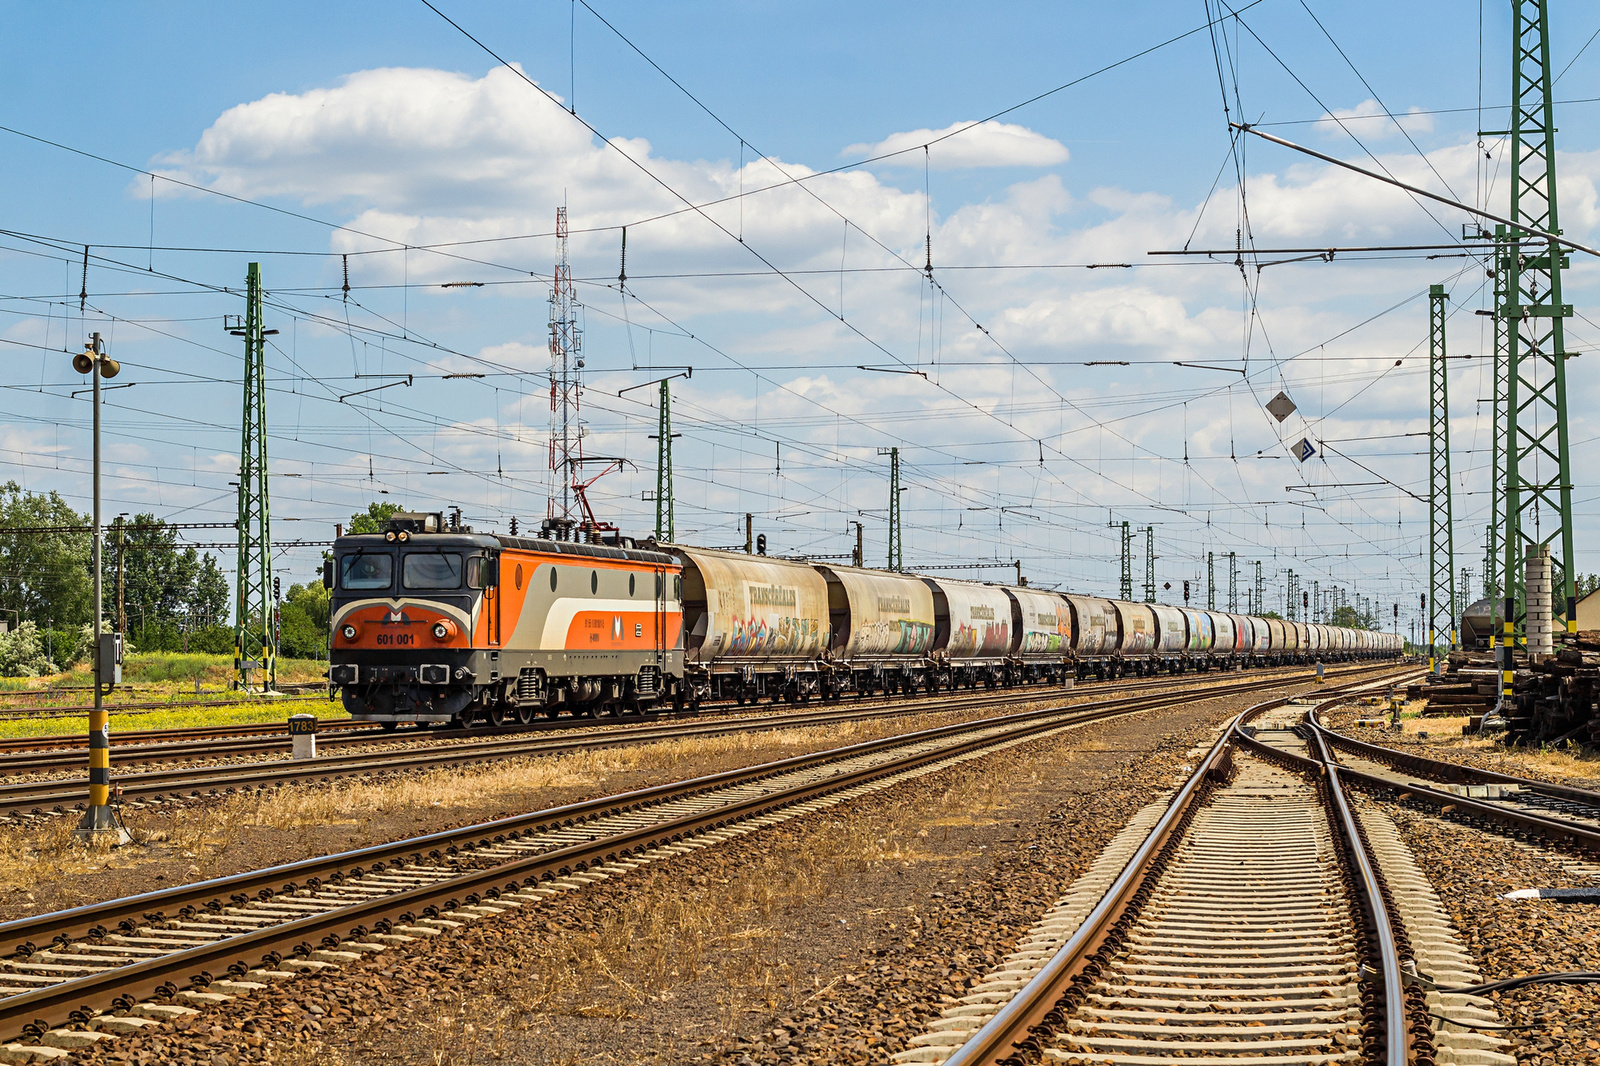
(366, 570)
(431, 570)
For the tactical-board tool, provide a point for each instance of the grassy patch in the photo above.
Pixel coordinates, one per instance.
(249, 711)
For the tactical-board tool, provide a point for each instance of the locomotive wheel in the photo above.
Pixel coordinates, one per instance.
(497, 715)
(525, 715)
(389, 727)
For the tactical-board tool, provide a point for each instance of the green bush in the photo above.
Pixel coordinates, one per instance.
(22, 653)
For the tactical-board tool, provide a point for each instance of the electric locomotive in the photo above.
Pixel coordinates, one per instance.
(432, 622)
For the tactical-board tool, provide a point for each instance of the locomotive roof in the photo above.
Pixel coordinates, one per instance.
(494, 540)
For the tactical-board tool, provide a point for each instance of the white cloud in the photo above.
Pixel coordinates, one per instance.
(1368, 121)
(991, 144)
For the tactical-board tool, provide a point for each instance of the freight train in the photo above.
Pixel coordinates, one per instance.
(433, 623)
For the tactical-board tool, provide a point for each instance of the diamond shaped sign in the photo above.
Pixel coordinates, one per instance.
(1281, 406)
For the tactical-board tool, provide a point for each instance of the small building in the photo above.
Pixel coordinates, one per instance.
(1589, 611)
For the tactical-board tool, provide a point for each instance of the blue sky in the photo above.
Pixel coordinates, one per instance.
(386, 120)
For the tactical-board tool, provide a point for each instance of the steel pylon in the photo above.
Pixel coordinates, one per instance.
(1149, 564)
(1538, 482)
(255, 647)
(666, 527)
(1441, 525)
(1127, 562)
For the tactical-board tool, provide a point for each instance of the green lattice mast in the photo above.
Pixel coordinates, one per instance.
(255, 640)
(1441, 523)
(1538, 482)
(666, 527)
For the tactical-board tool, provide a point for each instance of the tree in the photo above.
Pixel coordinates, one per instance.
(208, 599)
(158, 577)
(376, 520)
(22, 653)
(43, 576)
(1272, 614)
(303, 622)
(1586, 583)
(1348, 617)
(165, 586)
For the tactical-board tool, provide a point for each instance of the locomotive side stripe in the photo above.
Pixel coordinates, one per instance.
(565, 610)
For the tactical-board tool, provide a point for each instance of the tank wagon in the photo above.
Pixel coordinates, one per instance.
(433, 623)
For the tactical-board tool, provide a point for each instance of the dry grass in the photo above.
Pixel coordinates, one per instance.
(721, 937)
(1444, 736)
(714, 939)
(209, 834)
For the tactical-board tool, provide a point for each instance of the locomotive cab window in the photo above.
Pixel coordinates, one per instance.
(431, 570)
(365, 570)
(477, 568)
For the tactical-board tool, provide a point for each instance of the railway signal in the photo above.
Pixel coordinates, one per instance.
(100, 824)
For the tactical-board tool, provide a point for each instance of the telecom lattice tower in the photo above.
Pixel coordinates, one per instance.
(896, 554)
(1149, 564)
(1233, 582)
(1441, 526)
(1127, 562)
(566, 383)
(1538, 481)
(1211, 581)
(1291, 606)
(255, 646)
(1261, 588)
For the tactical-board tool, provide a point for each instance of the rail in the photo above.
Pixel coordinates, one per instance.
(1010, 1031)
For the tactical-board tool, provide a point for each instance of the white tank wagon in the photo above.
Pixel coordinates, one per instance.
(975, 633)
(1172, 637)
(753, 626)
(883, 625)
(1041, 624)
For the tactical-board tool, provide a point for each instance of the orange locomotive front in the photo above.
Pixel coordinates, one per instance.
(438, 624)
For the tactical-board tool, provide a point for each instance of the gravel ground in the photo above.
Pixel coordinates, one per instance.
(1470, 869)
(832, 938)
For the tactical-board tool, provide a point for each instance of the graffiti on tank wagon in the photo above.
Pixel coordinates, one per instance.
(769, 628)
(895, 636)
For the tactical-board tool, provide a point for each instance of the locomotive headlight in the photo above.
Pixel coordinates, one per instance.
(348, 632)
(443, 630)
(389, 536)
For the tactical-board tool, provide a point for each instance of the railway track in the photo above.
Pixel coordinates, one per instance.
(1560, 814)
(44, 797)
(272, 732)
(319, 913)
(78, 710)
(1250, 924)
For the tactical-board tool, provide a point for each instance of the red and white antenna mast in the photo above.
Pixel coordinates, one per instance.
(566, 385)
